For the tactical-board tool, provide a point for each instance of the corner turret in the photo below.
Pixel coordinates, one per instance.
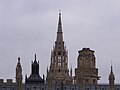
(111, 80)
(18, 75)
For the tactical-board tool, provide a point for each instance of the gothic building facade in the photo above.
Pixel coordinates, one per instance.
(59, 76)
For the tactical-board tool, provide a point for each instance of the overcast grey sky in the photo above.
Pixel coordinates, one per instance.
(29, 26)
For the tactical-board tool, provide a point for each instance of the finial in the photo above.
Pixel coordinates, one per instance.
(18, 59)
(35, 56)
(47, 70)
(71, 70)
(111, 66)
(59, 17)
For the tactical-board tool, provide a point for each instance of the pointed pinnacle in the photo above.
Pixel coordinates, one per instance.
(35, 56)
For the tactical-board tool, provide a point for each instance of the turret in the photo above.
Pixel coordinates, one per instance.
(86, 65)
(111, 80)
(18, 75)
(34, 78)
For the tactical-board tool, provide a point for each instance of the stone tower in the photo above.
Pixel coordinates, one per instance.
(58, 71)
(34, 78)
(111, 80)
(86, 71)
(18, 75)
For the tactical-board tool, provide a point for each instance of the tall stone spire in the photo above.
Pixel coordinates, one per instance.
(59, 43)
(59, 53)
(58, 71)
(111, 79)
(18, 75)
(59, 31)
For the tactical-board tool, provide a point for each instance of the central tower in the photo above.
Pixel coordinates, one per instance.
(59, 72)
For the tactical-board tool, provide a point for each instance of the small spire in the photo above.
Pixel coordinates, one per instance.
(71, 72)
(35, 56)
(111, 67)
(47, 70)
(111, 79)
(111, 75)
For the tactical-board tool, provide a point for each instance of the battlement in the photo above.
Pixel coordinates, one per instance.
(8, 81)
(1, 81)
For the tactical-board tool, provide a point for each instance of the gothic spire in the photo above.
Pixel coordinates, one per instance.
(59, 60)
(59, 31)
(111, 73)
(111, 79)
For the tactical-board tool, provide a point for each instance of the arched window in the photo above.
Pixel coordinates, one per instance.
(59, 60)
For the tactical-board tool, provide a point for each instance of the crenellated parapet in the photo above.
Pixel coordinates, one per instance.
(8, 81)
